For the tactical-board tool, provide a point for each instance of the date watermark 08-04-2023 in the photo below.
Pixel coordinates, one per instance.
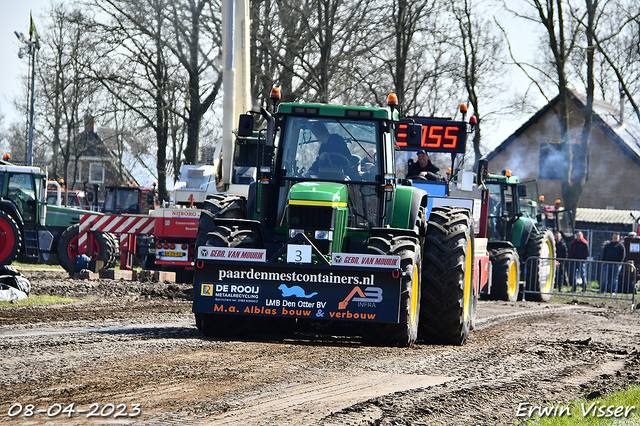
(70, 410)
(592, 409)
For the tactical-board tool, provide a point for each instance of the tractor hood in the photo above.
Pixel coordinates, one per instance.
(65, 216)
(326, 194)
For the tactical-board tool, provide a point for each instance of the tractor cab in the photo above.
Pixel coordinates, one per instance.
(327, 172)
(23, 187)
(558, 218)
(513, 207)
(129, 199)
(344, 163)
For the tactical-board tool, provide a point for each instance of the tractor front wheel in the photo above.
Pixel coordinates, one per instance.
(405, 332)
(505, 283)
(219, 206)
(540, 253)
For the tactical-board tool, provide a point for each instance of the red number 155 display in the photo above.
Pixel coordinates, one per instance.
(437, 135)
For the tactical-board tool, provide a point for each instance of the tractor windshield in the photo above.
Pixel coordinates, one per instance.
(500, 210)
(122, 200)
(333, 149)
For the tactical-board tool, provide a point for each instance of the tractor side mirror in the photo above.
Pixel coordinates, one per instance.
(522, 191)
(245, 125)
(414, 134)
(90, 197)
(150, 198)
(483, 171)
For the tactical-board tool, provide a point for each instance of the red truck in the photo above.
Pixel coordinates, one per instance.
(131, 227)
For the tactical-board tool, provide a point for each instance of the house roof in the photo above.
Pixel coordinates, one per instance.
(139, 166)
(622, 217)
(626, 135)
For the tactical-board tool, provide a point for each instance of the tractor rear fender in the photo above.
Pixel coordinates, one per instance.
(12, 211)
(406, 206)
(521, 231)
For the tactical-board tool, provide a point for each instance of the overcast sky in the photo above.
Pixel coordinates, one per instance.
(14, 16)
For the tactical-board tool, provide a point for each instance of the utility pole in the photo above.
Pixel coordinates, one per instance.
(30, 47)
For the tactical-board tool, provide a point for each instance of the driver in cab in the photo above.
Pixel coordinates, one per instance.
(423, 168)
(332, 146)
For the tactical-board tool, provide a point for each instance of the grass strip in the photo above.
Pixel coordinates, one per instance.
(39, 300)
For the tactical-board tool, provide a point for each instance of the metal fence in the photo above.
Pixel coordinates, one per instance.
(597, 239)
(584, 278)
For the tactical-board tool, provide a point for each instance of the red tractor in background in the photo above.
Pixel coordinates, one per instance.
(130, 199)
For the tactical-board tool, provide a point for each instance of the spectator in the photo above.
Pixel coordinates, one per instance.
(579, 250)
(613, 252)
(561, 253)
(424, 168)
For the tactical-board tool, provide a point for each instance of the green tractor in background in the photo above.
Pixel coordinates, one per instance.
(517, 239)
(337, 242)
(29, 228)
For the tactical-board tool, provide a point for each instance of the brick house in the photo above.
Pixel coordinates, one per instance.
(533, 152)
(100, 164)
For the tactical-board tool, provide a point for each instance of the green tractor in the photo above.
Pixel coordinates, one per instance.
(29, 228)
(333, 240)
(517, 239)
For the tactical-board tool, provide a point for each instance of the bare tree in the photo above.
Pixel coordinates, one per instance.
(619, 46)
(562, 38)
(66, 93)
(308, 47)
(481, 49)
(134, 68)
(196, 45)
(407, 18)
(411, 55)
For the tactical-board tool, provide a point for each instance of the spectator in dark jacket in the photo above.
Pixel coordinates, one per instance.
(614, 252)
(579, 250)
(561, 253)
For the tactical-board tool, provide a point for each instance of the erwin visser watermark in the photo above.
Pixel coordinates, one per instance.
(594, 409)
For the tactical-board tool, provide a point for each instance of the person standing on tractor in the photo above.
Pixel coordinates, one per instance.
(580, 251)
(561, 253)
(424, 168)
(613, 251)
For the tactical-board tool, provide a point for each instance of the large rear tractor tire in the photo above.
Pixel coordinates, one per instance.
(68, 247)
(405, 332)
(10, 238)
(222, 206)
(233, 206)
(447, 292)
(542, 247)
(505, 278)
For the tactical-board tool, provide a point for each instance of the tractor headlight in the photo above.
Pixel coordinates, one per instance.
(294, 232)
(324, 235)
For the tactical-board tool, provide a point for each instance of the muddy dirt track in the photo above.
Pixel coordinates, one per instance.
(134, 356)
